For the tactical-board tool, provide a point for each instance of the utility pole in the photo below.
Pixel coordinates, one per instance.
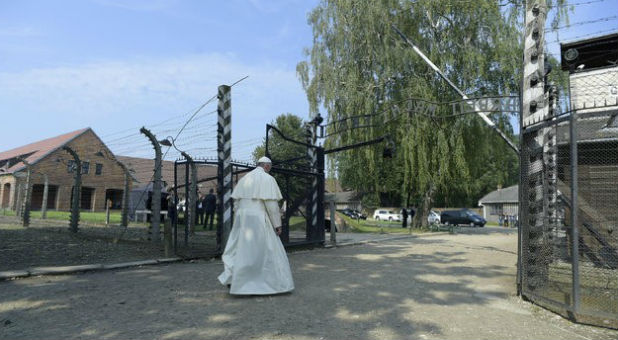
(77, 189)
(155, 201)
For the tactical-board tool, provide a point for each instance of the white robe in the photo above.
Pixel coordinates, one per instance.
(255, 262)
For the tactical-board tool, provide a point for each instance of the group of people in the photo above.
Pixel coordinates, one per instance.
(205, 208)
(507, 220)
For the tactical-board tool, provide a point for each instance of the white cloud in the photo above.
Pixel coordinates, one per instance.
(115, 95)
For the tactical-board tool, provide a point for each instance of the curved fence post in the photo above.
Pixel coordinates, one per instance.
(155, 204)
(77, 189)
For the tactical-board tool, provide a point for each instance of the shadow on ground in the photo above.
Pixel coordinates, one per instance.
(365, 292)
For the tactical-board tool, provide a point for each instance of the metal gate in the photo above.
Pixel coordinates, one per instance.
(569, 256)
(193, 238)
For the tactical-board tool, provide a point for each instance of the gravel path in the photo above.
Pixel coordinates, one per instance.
(441, 287)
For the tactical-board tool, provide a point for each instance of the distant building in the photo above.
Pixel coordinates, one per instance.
(102, 176)
(499, 203)
(344, 200)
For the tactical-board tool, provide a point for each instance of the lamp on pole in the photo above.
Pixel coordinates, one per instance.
(191, 201)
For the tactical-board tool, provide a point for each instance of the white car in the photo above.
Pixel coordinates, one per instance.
(434, 217)
(386, 215)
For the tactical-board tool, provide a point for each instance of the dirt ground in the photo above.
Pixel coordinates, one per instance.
(439, 287)
(50, 243)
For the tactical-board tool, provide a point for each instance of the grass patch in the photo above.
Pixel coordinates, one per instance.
(384, 227)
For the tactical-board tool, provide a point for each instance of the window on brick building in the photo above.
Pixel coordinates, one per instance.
(85, 167)
(99, 169)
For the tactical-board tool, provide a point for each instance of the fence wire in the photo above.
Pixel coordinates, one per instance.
(569, 203)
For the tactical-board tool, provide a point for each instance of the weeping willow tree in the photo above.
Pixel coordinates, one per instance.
(359, 65)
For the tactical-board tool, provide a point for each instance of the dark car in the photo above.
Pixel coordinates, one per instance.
(355, 214)
(359, 215)
(462, 217)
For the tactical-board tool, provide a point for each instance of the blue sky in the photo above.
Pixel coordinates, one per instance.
(117, 65)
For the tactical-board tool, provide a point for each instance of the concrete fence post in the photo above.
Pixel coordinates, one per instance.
(124, 220)
(224, 155)
(155, 202)
(45, 193)
(77, 189)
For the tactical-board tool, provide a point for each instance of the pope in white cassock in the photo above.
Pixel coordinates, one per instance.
(255, 262)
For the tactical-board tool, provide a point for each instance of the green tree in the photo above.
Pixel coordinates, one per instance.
(280, 150)
(359, 65)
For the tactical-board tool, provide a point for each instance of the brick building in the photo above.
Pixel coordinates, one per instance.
(102, 176)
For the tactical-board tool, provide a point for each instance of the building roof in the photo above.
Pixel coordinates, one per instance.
(600, 127)
(344, 196)
(592, 53)
(506, 195)
(36, 151)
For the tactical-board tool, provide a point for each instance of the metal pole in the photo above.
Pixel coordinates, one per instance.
(107, 205)
(319, 199)
(488, 121)
(574, 211)
(333, 225)
(45, 193)
(193, 194)
(124, 215)
(188, 215)
(175, 220)
(77, 189)
(19, 201)
(520, 196)
(224, 147)
(156, 187)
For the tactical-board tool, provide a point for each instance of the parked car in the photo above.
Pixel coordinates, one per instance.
(462, 217)
(360, 215)
(434, 217)
(180, 207)
(386, 215)
(355, 214)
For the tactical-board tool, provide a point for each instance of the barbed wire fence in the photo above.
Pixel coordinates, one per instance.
(569, 170)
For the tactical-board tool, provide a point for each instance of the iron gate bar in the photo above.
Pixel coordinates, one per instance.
(269, 127)
(291, 160)
(175, 220)
(187, 204)
(574, 212)
(347, 147)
